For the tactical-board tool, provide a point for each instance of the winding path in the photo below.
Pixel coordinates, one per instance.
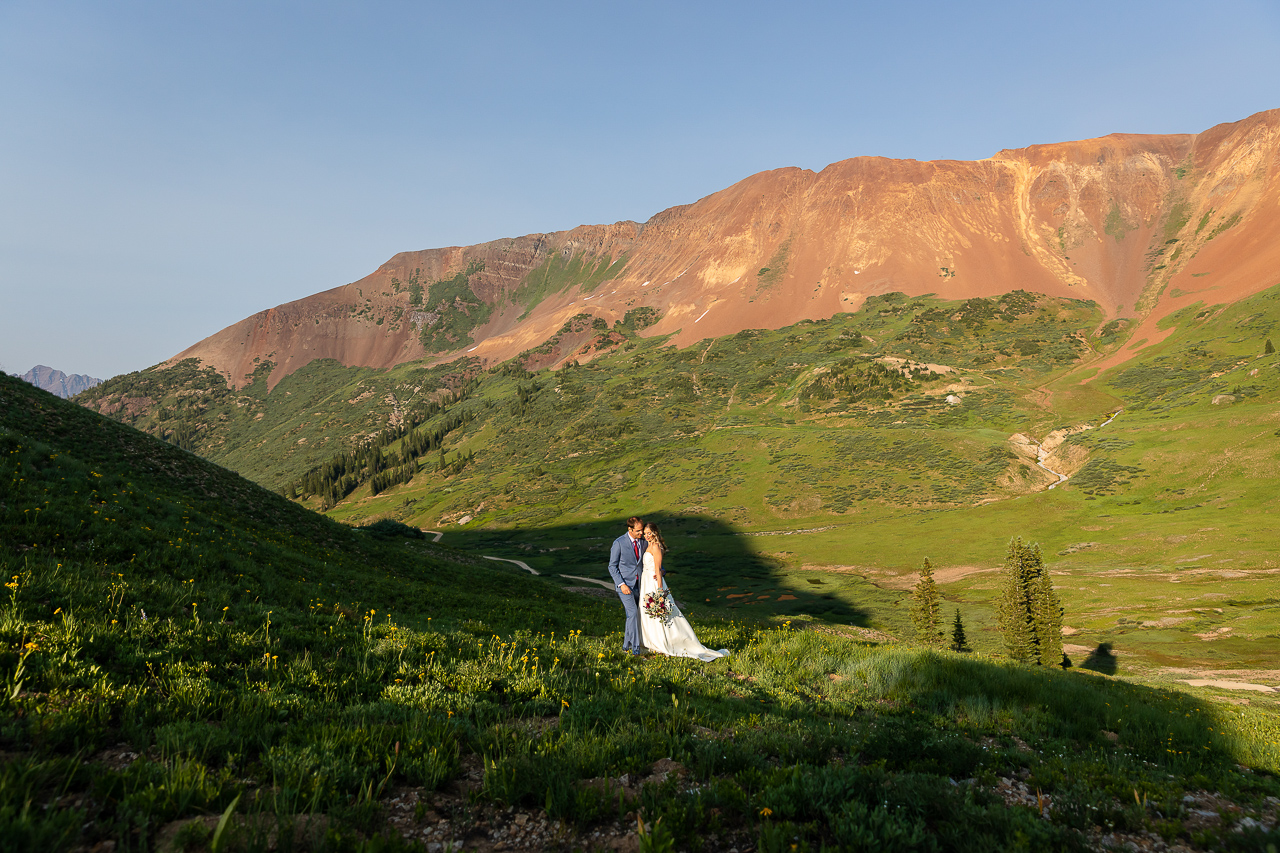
(522, 564)
(604, 584)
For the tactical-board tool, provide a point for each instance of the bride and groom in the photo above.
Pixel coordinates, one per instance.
(635, 563)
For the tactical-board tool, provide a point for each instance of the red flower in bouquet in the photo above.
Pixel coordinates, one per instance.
(657, 605)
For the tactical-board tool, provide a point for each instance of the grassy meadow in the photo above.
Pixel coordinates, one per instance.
(191, 662)
(820, 463)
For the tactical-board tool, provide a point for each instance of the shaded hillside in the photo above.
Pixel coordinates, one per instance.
(1139, 224)
(86, 489)
(192, 663)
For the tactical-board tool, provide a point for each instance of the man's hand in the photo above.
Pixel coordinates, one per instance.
(626, 590)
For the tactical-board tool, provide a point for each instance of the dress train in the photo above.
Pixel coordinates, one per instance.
(676, 639)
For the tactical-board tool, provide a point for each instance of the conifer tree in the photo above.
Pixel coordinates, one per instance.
(1030, 611)
(926, 607)
(959, 642)
(1269, 348)
(1017, 612)
(1048, 621)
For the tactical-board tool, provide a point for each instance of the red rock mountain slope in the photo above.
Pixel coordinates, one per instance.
(1143, 225)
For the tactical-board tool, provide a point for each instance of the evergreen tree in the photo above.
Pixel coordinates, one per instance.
(1269, 348)
(926, 607)
(1030, 611)
(959, 642)
(1048, 621)
(1017, 612)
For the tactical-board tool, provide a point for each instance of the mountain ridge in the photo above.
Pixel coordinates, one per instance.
(1117, 219)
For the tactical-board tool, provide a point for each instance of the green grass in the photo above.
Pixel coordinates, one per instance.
(177, 644)
(751, 434)
(563, 270)
(1179, 216)
(776, 267)
(1116, 226)
(452, 311)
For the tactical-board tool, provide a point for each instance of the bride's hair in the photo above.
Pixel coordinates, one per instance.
(657, 534)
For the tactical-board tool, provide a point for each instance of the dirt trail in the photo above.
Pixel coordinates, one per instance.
(605, 584)
(1230, 685)
(522, 564)
(889, 580)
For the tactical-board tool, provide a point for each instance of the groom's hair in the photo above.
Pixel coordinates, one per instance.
(634, 521)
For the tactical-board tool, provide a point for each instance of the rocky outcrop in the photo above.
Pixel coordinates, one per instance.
(1143, 225)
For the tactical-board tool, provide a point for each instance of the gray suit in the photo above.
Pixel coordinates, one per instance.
(624, 568)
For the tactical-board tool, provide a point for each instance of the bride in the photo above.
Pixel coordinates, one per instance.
(676, 638)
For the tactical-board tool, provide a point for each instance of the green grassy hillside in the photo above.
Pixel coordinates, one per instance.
(821, 462)
(193, 663)
(648, 398)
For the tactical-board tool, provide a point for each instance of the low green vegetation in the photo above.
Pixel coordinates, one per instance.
(413, 287)
(1229, 222)
(754, 379)
(780, 438)
(1177, 219)
(563, 270)
(451, 310)
(1116, 226)
(776, 267)
(191, 662)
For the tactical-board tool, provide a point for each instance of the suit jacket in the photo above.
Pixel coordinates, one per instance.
(623, 565)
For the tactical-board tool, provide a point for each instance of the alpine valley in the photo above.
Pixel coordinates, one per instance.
(344, 586)
(850, 370)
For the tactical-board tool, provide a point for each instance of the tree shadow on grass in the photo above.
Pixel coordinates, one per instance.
(1102, 659)
(710, 564)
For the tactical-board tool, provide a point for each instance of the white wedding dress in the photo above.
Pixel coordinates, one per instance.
(676, 639)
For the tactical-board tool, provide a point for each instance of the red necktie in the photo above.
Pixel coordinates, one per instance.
(635, 543)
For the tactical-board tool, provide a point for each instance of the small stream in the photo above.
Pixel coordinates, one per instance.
(1042, 454)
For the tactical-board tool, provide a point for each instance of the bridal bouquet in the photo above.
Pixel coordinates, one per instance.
(657, 605)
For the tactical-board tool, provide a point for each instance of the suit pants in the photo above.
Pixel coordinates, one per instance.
(631, 632)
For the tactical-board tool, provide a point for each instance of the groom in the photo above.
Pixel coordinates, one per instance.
(624, 567)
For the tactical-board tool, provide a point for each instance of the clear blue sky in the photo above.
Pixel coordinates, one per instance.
(169, 168)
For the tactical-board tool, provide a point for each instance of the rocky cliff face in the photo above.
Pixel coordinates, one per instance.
(58, 383)
(1143, 225)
